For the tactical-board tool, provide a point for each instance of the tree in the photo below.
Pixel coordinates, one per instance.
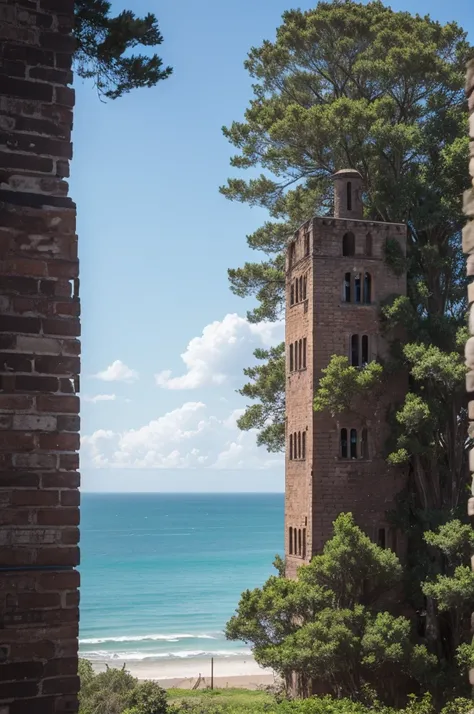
(104, 693)
(103, 45)
(356, 85)
(330, 626)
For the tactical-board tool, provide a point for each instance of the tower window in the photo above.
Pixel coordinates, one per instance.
(299, 542)
(291, 447)
(292, 254)
(297, 290)
(357, 288)
(306, 244)
(348, 244)
(304, 352)
(292, 294)
(349, 195)
(353, 445)
(355, 350)
(295, 540)
(368, 245)
(364, 446)
(303, 445)
(304, 542)
(367, 288)
(344, 443)
(305, 287)
(381, 538)
(347, 287)
(290, 540)
(300, 350)
(291, 358)
(301, 288)
(299, 444)
(365, 350)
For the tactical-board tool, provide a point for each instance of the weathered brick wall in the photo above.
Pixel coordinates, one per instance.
(468, 248)
(39, 362)
(323, 485)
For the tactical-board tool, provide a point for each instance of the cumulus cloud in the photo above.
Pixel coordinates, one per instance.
(221, 352)
(118, 372)
(185, 438)
(99, 398)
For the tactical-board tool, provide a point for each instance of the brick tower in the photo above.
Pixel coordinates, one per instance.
(336, 278)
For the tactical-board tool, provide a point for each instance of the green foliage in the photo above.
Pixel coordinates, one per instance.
(116, 691)
(328, 625)
(341, 384)
(103, 44)
(394, 256)
(267, 384)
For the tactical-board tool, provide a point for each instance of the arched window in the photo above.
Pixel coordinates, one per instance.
(344, 443)
(357, 288)
(349, 195)
(303, 445)
(355, 350)
(295, 541)
(304, 542)
(300, 349)
(292, 254)
(297, 299)
(348, 244)
(305, 287)
(381, 538)
(291, 447)
(364, 446)
(347, 287)
(365, 350)
(301, 288)
(299, 444)
(292, 365)
(367, 288)
(353, 446)
(292, 294)
(299, 541)
(368, 245)
(290, 540)
(304, 352)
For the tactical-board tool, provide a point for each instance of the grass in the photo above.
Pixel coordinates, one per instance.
(230, 698)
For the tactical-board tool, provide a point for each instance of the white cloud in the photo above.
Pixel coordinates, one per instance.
(221, 352)
(118, 372)
(185, 438)
(99, 398)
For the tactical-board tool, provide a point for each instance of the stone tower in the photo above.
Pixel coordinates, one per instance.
(336, 278)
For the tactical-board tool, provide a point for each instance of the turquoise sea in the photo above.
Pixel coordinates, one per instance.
(162, 573)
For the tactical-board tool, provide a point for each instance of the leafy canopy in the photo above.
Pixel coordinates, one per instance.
(105, 47)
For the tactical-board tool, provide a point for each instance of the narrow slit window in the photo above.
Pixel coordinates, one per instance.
(305, 287)
(349, 195)
(367, 288)
(381, 538)
(292, 254)
(357, 288)
(353, 443)
(301, 288)
(304, 542)
(368, 245)
(295, 540)
(344, 443)
(303, 445)
(365, 350)
(300, 349)
(297, 298)
(364, 445)
(306, 244)
(299, 444)
(299, 542)
(347, 287)
(355, 350)
(348, 244)
(290, 540)
(291, 447)
(304, 352)
(292, 294)
(291, 358)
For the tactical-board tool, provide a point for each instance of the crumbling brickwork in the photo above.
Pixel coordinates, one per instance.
(337, 276)
(39, 362)
(468, 248)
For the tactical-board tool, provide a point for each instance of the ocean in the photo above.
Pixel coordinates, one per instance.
(162, 573)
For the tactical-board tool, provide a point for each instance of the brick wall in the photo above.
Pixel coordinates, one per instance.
(39, 362)
(323, 485)
(468, 248)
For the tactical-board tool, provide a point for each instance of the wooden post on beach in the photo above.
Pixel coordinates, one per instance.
(212, 672)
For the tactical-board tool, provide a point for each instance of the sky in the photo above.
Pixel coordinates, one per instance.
(164, 340)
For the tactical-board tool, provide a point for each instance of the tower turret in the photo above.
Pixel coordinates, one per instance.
(348, 194)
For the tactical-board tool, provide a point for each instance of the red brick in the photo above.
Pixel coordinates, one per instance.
(20, 671)
(29, 90)
(58, 442)
(15, 479)
(38, 705)
(28, 325)
(16, 441)
(15, 363)
(35, 498)
(61, 685)
(57, 517)
(58, 404)
(60, 480)
(38, 601)
(69, 423)
(19, 285)
(18, 690)
(69, 462)
(15, 402)
(73, 599)
(9, 517)
(65, 580)
(66, 328)
(37, 650)
(63, 269)
(70, 497)
(64, 96)
(40, 164)
(57, 365)
(27, 266)
(36, 384)
(65, 555)
(63, 666)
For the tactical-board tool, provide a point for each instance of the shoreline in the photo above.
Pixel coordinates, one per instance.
(238, 672)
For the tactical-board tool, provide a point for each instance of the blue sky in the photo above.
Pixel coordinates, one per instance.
(156, 239)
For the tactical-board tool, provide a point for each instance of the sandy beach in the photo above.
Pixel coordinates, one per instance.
(243, 673)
